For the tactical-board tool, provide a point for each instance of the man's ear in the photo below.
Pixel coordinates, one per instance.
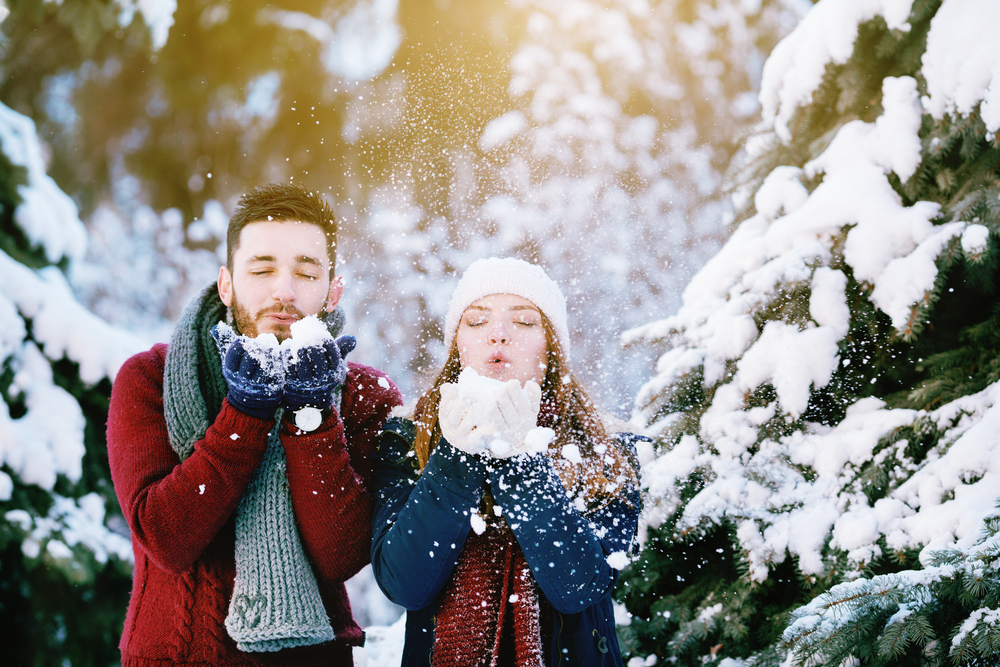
(226, 286)
(336, 291)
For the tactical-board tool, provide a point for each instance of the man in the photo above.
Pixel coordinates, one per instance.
(243, 465)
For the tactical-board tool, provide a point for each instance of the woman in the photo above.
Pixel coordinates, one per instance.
(500, 553)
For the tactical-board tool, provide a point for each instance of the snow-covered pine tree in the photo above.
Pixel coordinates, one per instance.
(946, 613)
(64, 574)
(826, 406)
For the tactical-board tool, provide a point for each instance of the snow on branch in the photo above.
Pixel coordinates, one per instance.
(795, 68)
(46, 214)
(791, 487)
(961, 63)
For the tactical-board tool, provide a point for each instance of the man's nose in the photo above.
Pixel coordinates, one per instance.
(283, 289)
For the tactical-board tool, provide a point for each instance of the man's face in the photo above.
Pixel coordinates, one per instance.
(281, 273)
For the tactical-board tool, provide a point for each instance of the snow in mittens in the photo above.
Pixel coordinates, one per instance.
(797, 495)
(307, 332)
(479, 396)
(265, 348)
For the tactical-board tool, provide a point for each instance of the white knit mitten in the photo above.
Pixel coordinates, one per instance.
(482, 415)
(518, 407)
(460, 425)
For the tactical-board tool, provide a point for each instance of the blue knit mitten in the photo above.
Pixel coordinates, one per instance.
(255, 379)
(313, 372)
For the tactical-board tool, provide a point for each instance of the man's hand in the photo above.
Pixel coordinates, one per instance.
(314, 371)
(254, 376)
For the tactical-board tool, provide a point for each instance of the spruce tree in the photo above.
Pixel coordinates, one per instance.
(65, 556)
(945, 613)
(64, 574)
(824, 405)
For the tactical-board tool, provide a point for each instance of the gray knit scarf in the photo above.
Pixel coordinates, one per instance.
(276, 602)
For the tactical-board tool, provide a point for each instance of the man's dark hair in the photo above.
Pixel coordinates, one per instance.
(282, 201)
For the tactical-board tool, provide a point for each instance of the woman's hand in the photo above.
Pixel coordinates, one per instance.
(490, 417)
(460, 426)
(518, 410)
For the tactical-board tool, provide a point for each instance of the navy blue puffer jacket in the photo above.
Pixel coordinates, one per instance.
(421, 521)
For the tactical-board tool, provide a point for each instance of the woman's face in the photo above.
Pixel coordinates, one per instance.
(501, 336)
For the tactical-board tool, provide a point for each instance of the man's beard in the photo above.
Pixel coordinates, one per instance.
(246, 324)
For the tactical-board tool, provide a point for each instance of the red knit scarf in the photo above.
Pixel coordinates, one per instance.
(491, 584)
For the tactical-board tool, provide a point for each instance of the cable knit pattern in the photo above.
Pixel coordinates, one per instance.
(183, 617)
(182, 514)
(217, 603)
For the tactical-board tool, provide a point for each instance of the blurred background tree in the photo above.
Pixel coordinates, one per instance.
(607, 127)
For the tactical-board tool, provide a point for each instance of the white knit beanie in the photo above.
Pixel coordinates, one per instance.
(496, 275)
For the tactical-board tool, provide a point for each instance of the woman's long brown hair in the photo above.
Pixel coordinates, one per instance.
(576, 422)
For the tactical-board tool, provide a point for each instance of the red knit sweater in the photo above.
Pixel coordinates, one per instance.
(182, 514)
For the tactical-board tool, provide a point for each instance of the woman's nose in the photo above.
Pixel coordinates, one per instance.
(498, 334)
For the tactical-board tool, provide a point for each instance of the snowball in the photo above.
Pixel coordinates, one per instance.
(538, 439)
(618, 560)
(572, 453)
(478, 523)
(306, 332)
(499, 447)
